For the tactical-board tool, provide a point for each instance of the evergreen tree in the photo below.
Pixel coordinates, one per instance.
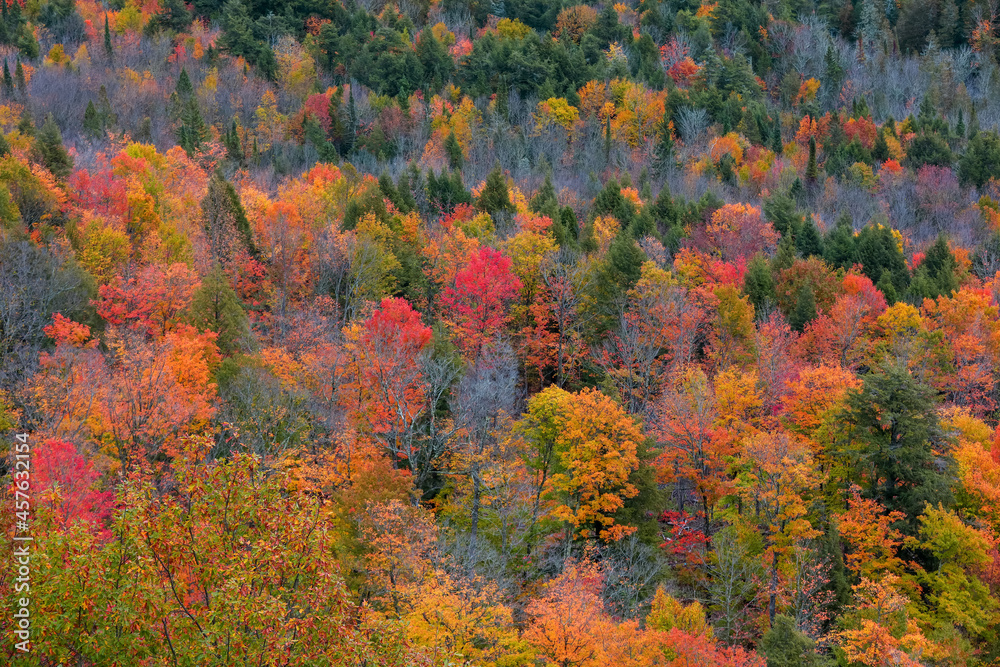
(664, 155)
(192, 132)
(454, 152)
(880, 151)
(104, 111)
(8, 80)
(25, 125)
(805, 309)
(981, 160)
(19, 81)
(225, 219)
(495, 199)
(878, 250)
(91, 122)
(785, 646)
(840, 247)
(812, 168)
(435, 60)
(108, 48)
(216, 307)
(545, 201)
(172, 18)
(232, 143)
(53, 153)
(892, 445)
(808, 241)
(780, 211)
(758, 284)
(937, 274)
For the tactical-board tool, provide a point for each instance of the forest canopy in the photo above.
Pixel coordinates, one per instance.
(508, 333)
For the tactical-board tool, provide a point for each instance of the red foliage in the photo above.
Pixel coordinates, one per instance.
(476, 304)
(63, 481)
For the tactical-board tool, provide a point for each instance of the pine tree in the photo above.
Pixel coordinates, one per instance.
(880, 151)
(185, 88)
(808, 241)
(494, 199)
(758, 283)
(785, 646)
(91, 122)
(108, 49)
(225, 218)
(664, 156)
(104, 110)
(192, 132)
(25, 125)
(52, 151)
(893, 445)
(231, 141)
(216, 307)
(812, 168)
(805, 309)
(173, 18)
(8, 80)
(19, 77)
(454, 152)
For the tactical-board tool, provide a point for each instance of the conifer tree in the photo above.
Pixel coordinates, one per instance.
(53, 153)
(805, 309)
(808, 241)
(8, 80)
(225, 217)
(454, 152)
(108, 48)
(494, 199)
(91, 121)
(812, 168)
(664, 157)
(758, 284)
(19, 77)
(216, 307)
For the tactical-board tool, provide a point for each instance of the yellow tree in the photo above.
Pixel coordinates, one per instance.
(585, 449)
(777, 471)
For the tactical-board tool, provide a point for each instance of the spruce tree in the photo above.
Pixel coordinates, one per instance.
(104, 110)
(53, 153)
(785, 646)
(892, 444)
(812, 168)
(19, 80)
(453, 150)
(108, 49)
(664, 155)
(494, 199)
(805, 309)
(225, 219)
(8, 80)
(25, 125)
(758, 283)
(216, 307)
(808, 241)
(91, 122)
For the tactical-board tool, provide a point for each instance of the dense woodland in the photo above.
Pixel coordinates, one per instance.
(507, 333)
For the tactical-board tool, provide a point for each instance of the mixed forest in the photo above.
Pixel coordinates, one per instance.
(502, 332)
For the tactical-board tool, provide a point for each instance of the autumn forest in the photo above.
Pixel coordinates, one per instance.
(500, 333)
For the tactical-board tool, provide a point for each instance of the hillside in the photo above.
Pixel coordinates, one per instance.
(497, 334)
